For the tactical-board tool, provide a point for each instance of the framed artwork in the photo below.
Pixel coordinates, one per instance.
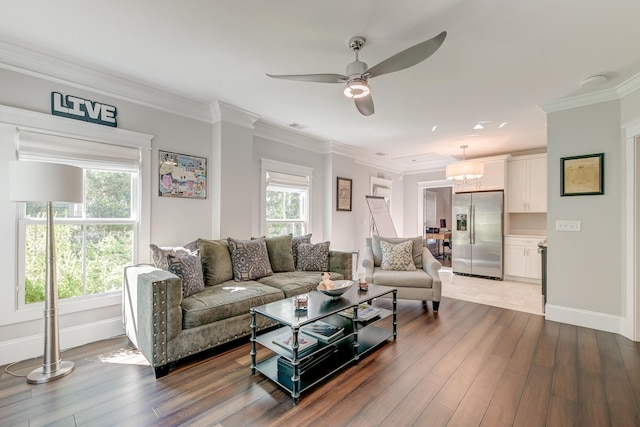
(182, 176)
(582, 175)
(343, 194)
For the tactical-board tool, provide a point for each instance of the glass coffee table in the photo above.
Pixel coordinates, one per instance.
(296, 368)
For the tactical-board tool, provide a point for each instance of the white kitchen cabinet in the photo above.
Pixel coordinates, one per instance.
(527, 184)
(522, 259)
(493, 179)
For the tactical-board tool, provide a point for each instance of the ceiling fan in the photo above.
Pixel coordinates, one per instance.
(358, 73)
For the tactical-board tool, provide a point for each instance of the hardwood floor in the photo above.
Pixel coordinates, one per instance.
(473, 365)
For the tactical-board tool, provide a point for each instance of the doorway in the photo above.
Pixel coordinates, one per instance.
(434, 212)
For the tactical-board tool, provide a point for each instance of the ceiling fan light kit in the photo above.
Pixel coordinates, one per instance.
(357, 88)
(465, 172)
(358, 73)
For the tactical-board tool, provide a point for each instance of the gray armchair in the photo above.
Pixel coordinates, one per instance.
(423, 284)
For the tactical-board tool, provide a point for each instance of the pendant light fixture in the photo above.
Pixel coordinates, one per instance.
(465, 172)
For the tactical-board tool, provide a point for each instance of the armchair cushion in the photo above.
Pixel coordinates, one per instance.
(412, 279)
(397, 256)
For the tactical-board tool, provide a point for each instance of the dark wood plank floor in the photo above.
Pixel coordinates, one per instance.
(473, 365)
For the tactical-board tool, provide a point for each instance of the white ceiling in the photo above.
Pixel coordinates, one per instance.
(501, 60)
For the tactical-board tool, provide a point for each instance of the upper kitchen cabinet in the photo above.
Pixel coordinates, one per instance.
(527, 184)
(493, 178)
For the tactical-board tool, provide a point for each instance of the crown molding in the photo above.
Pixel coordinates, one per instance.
(274, 132)
(623, 89)
(629, 86)
(30, 62)
(36, 121)
(231, 114)
(580, 101)
(379, 166)
(335, 147)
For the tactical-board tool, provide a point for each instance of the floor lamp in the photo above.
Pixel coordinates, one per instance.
(32, 181)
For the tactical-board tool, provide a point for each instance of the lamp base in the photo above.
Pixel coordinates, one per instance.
(38, 376)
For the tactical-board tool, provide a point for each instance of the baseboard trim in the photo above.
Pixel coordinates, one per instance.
(584, 318)
(33, 346)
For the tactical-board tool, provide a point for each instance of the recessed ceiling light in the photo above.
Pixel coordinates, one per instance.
(433, 129)
(594, 80)
(478, 126)
(503, 124)
(297, 126)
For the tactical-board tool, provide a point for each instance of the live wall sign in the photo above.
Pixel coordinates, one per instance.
(77, 108)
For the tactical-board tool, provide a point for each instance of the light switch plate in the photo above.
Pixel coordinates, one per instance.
(568, 225)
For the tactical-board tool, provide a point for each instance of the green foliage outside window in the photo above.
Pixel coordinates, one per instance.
(90, 256)
(285, 211)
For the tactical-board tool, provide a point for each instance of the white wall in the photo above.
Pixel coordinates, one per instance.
(579, 131)
(590, 273)
(21, 331)
(233, 149)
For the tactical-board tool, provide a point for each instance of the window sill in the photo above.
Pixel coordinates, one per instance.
(66, 306)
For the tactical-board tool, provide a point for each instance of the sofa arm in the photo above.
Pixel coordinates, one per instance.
(367, 264)
(341, 262)
(431, 266)
(151, 310)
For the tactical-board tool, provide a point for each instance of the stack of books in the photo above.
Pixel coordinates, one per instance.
(305, 342)
(365, 312)
(323, 331)
(311, 368)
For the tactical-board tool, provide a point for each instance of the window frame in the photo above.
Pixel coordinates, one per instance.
(12, 122)
(83, 221)
(268, 165)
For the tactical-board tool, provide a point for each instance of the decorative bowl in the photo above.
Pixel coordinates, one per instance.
(341, 286)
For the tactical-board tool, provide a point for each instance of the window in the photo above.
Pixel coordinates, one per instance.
(94, 239)
(287, 189)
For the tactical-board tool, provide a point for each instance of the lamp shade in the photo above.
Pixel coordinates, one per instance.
(31, 181)
(465, 170)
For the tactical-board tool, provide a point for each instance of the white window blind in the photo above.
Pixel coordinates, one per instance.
(279, 179)
(87, 154)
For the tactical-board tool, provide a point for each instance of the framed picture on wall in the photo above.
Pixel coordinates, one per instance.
(181, 175)
(343, 194)
(582, 175)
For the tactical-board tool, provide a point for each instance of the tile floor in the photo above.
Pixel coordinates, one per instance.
(519, 296)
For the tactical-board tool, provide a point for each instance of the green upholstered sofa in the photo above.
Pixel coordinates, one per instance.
(166, 327)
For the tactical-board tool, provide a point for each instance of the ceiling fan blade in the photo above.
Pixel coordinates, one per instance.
(365, 105)
(317, 78)
(408, 57)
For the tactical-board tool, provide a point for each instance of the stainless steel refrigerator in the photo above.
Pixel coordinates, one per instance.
(477, 234)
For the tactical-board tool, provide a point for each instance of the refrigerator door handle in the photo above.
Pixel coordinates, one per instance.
(470, 224)
(473, 225)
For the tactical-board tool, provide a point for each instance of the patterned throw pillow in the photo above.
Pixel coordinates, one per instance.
(295, 242)
(250, 259)
(313, 257)
(417, 248)
(160, 253)
(189, 269)
(397, 257)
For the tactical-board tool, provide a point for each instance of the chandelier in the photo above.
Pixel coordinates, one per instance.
(465, 172)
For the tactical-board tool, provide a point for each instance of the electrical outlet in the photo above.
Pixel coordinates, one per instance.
(568, 225)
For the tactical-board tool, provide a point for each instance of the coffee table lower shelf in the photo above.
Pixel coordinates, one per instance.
(368, 339)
